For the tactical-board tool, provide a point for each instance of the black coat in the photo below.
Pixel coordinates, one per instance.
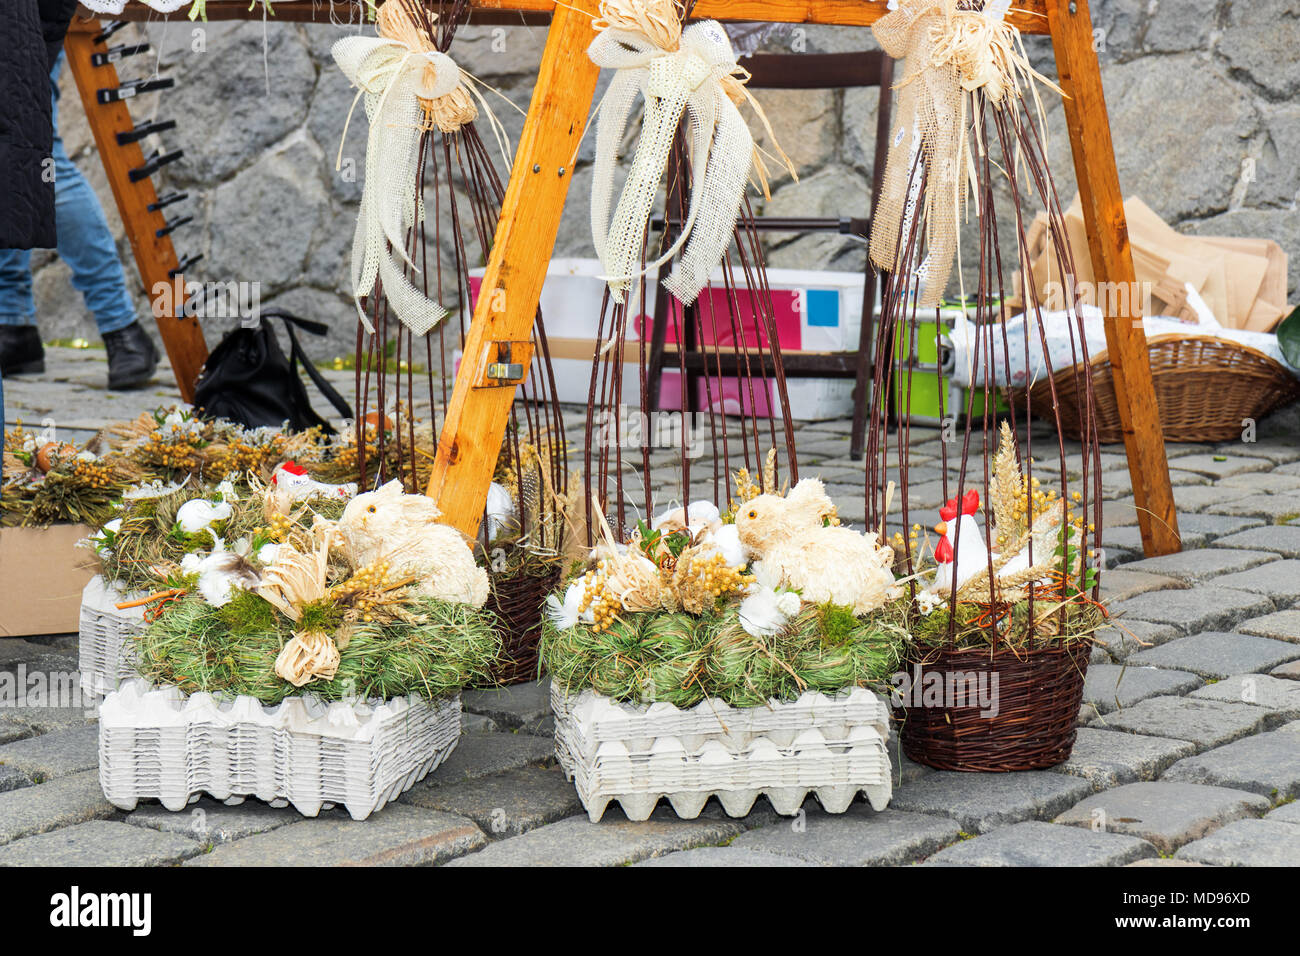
(31, 33)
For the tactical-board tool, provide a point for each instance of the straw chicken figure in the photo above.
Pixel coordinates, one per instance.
(959, 553)
(403, 529)
(797, 550)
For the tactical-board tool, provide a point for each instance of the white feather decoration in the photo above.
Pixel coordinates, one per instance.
(565, 615)
(221, 573)
(766, 613)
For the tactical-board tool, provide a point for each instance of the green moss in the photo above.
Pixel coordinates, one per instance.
(197, 541)
(320, 616)
(145, 507)
(838, 623)
(247, 613)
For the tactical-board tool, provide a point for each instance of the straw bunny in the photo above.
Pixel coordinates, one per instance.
(404, 529)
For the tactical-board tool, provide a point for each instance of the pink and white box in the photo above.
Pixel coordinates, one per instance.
(814, 312)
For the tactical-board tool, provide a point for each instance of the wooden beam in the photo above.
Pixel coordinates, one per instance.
(154, 255)
(512, 283)
(1112, 261)
(1028, 15)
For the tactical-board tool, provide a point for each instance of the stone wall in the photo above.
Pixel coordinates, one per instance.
(1202, 96)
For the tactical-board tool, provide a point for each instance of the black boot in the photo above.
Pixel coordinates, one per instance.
(131, 357)
(21, 352)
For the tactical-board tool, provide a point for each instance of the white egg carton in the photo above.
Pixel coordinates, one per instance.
(157, 743)
(107, 637)
(636, 754)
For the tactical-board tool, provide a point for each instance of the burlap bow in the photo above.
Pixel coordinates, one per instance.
(678, 71)
(409, 88)
(950, 52)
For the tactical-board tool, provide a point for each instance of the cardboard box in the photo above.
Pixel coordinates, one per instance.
(813, 312)
(42, 575)
(811, 399)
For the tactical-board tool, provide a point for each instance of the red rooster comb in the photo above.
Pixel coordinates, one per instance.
(970, 503)
(292, 468)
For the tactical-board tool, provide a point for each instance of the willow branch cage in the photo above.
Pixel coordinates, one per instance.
(1022, 631)
(461, 189)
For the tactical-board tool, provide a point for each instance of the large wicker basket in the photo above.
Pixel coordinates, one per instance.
(517, 599)
(1037, 694)
(1204, 388)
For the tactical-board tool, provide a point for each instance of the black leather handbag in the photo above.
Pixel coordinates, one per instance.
(247, 379)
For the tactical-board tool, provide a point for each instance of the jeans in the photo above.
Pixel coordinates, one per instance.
(85, 244)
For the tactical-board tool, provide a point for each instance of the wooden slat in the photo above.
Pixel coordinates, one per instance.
(1028, 15)
(1112, 259)
(512, 283)
(154, 255)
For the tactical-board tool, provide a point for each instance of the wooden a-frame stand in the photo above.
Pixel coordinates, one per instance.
(477, 414)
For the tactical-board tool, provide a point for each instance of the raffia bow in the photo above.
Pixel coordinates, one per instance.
(309, 656)
(952, 49)
(691, 71)
(409, 87)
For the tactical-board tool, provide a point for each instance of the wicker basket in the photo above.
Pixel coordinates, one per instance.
(517, 599)
(1038, 695)
(1204, 387)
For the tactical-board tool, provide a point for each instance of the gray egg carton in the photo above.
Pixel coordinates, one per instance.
(157, 743)
(636, 754)
(106, 643)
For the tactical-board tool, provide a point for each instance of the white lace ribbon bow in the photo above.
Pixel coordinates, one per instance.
(392, 79)
(688, 79)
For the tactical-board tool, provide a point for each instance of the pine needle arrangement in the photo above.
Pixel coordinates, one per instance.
(265, 600)
(681, 659)
(232, 650)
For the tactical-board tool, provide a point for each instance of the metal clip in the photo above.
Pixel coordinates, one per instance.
(109, 30)
(165, 201)
(183, 266)
(505, 371)
(504, 364)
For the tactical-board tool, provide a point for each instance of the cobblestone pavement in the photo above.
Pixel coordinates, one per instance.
(1188, 750)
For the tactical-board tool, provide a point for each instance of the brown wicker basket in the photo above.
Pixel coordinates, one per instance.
(1204, 387)
(517, 599)
(1039, 693)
